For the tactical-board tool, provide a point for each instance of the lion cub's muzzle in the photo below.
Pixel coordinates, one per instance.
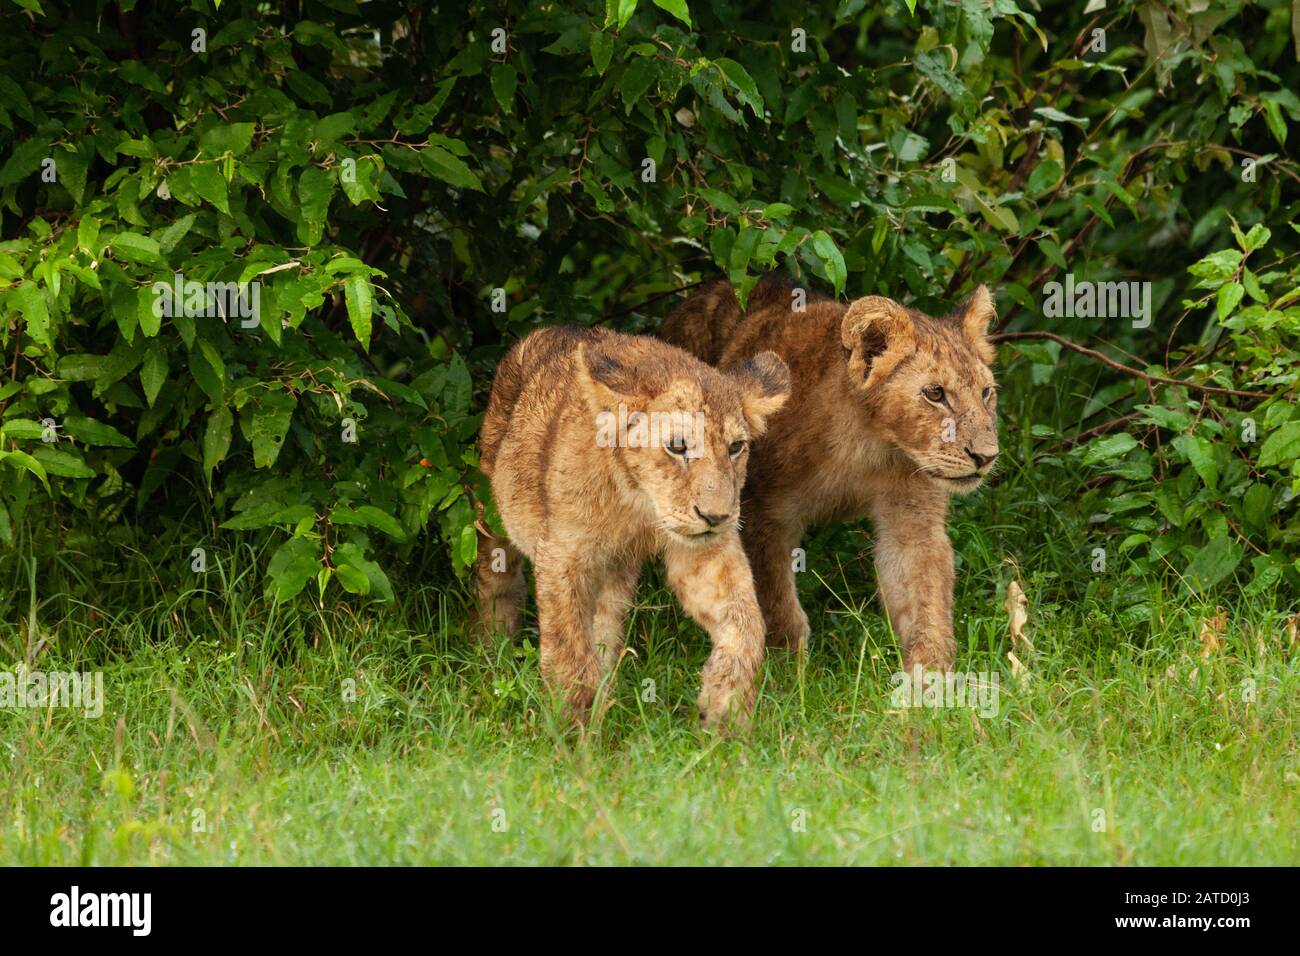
(714, 522)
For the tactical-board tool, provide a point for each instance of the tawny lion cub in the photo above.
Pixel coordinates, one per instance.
(604, 450)
(892, 413)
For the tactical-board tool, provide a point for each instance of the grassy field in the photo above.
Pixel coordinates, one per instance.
(237, 733)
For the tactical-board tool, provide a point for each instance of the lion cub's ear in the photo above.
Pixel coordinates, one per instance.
(765, 385)
(603, 378)
(976, 315)
(878, 334)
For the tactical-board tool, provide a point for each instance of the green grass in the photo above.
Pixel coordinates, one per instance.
(224, 711)
(1124, 746)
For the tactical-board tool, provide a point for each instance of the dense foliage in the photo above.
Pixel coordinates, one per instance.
(413, 186)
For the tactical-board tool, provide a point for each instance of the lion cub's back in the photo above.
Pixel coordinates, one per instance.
(535, 403)
(536, 378)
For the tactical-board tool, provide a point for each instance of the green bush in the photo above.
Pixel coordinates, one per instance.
(415, 186)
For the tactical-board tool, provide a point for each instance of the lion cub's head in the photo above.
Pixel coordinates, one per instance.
(679, 429)
(926, 384)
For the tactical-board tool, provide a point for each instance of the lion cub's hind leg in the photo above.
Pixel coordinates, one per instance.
(566, 593)
(502, 588)
(612, 603)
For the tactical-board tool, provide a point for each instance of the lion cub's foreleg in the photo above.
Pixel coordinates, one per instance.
(769, 544)
(714, 585)
(914, 563)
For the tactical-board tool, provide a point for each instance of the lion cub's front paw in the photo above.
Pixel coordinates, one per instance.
(724, 705)
(936, 654)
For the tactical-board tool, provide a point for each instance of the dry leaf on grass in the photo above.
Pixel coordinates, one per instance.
(1212, 629)
(1019, 672)
(1017, 607)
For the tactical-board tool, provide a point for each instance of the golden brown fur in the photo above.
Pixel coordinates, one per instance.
(588, 512)
(859, 437)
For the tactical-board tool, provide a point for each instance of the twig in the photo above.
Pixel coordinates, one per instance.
(654, 298)
(1137, 373)
(1093, 432)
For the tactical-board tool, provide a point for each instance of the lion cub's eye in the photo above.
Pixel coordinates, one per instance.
(735, 448)
(988, 393)
(933, 393)
(676, 446)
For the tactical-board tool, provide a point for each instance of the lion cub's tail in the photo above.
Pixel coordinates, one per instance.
(705, 322)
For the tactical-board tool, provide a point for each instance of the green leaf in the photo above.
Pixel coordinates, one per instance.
(677, 8)
(1272, 116)
(225, 138)
(1214, 562)
(23, 429)
(602, 50)
(25, 159)
(743, 83)
(450, 169)
(468, 546)
(353, 579)
(1200, 453)
(216, 439)
(377, 584)
(135, 247)
(153, 373)
(360, 303)
(25, 462)
(1258, 237)
(148, 311)
(720, 201)
(1282, 447)
(1044, 177)
(457, 391)
(370, 517)
(1228, 298)
(266, 514)
(209, 376)
(1108, 448)
(505, 78)
(294, 564)
(170, 236)
(271, 419)
(1056, 116)
(81, 367)
(1257, 505)
(625, 10)
(63, 464)
(315, 190)
(208, 182)
(1168, 418)
(30, 301)
(833, 261)
(636, 79)
(90, 432)
(88, 236)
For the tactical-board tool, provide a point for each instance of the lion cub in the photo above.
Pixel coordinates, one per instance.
(604, 450)
(892, 413)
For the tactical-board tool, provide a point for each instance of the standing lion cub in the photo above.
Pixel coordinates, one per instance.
(604, 450)
(892, 413)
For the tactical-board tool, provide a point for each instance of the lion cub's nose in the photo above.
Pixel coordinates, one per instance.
(711, 520)
(981, 461)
